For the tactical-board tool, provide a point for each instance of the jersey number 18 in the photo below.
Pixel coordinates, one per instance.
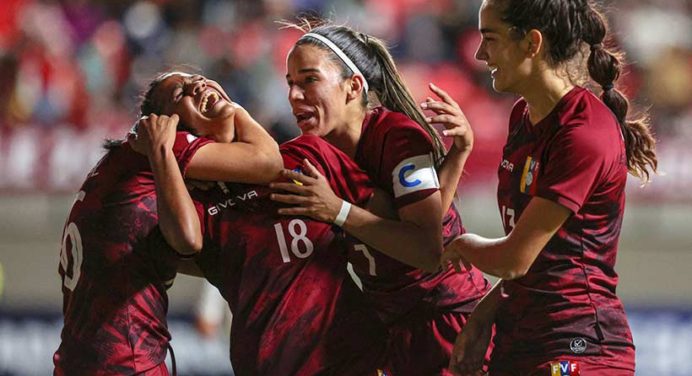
(298, 231)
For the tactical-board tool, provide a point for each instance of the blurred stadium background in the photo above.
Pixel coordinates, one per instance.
(71, 70)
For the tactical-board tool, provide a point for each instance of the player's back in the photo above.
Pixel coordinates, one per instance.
(114, 296)
(295, 309)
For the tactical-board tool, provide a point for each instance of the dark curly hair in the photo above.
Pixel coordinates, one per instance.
(569, 26)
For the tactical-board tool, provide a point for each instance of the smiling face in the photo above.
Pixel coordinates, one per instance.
(201, 104)
(317, 91)
(505, 55)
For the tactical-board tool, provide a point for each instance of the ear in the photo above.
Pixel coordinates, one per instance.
(355, 87)
(534, 42)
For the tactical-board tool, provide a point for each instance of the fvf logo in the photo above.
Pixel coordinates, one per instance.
(564, 368)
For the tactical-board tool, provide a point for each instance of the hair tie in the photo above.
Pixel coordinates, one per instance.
(607, 87)
(596, 46)
(349, 63)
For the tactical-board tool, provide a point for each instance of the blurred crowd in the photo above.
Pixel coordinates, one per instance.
(81, 64)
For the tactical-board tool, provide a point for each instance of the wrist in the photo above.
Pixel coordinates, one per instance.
(460, 153)
(159, 153)
(341, 217)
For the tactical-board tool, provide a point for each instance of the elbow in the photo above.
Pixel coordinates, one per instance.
(189, 245)
(431, 262)
(194, 244)
(513, 272)
(187, 241)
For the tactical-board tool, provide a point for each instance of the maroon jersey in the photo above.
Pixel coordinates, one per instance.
(396, 153)
(566, 304)
(114, 297)
(295, 309)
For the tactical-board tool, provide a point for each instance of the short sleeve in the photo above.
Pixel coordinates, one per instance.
(574, 162)
(345, 178)
(185, 147)
(409, 161)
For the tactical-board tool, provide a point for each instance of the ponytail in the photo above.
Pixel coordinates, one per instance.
(604, 68)
(567, 25)
(394, 95)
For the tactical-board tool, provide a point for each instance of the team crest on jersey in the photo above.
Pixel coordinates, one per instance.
(564, 368)
(577, 345)
(414, 174)
(529, 176)
(300, 171)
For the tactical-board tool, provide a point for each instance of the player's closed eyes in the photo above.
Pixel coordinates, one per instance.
(178, 93)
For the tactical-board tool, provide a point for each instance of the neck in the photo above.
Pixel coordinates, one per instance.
(346, 136)
(545, 92)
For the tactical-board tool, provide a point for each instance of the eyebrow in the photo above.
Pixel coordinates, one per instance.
(485, 30)
(305, 70)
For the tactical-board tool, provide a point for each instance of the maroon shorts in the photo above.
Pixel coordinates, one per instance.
(159, 370)
(421, 343)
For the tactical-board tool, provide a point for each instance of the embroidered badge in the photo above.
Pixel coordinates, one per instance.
(529, 176)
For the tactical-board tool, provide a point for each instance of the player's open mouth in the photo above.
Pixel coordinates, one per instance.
(208, 101)
(303, 117)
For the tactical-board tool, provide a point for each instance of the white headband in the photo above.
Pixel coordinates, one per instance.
(349, 63)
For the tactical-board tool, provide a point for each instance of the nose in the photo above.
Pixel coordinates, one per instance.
(295, 93)
(481, 54)
(195, 86)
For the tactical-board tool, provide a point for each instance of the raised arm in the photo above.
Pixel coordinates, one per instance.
(253, 157)
(448, 113)
(511, 256)
(178, 218)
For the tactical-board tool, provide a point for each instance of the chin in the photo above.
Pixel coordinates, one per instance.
(309, 130)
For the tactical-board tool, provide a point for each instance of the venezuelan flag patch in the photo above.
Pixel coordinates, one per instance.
(529, 176)
(564, 368)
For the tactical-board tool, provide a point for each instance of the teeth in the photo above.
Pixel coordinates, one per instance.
(205, 100)
(203, 106)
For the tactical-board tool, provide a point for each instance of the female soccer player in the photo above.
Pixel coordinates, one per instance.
(295, 309)
(561, 197)
(113, 277)
(331, 71)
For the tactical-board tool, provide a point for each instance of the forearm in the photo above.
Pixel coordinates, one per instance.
(511, 256)
(266, 150)
(178, 218)
(449, 175)
(491, 256)
(402, 240)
